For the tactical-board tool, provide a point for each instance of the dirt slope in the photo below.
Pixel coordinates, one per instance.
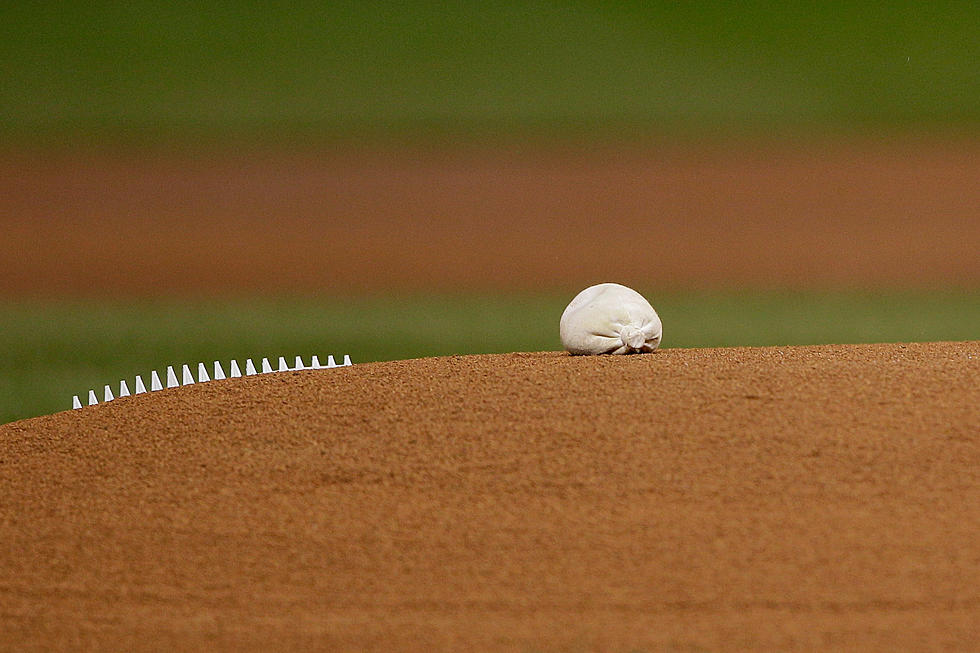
(731, 499)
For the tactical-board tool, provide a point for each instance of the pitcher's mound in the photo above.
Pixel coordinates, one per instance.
(770, 499)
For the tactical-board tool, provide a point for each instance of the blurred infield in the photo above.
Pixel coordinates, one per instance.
(346, 221)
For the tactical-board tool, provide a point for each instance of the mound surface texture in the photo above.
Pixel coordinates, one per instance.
(773, 498)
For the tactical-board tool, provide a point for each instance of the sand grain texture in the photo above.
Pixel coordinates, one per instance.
(729, 499)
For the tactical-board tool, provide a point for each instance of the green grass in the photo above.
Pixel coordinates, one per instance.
(52, 350)
(180, 70)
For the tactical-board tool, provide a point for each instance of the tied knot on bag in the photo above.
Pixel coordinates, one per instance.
(632, 337)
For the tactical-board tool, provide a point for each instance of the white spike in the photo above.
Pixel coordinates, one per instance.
(123, 389)
(108, 394)
(266, 367)
(155, 382)
(202, 373)
(282, 364)
(219, 373)
(140, 388)
(250, 368)
(76, 402)
(186, 373)
(171, 377)
(235, 370)
(91, 398)
(299, 364)
(347, 362)
(331, 362)
(315, 362)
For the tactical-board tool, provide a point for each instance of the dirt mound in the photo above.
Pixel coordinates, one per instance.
(771, 498)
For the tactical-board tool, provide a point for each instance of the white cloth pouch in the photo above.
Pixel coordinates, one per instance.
(610, 319)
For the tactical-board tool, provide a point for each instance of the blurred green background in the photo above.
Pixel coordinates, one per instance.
(281, 71)
(142, 74)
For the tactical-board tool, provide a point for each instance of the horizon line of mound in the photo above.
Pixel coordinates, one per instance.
(669, 377)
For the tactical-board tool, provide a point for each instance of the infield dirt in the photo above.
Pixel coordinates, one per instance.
(727, 499)
(341, 221)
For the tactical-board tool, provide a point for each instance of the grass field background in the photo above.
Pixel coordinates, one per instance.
(180, 71)
(53, 350)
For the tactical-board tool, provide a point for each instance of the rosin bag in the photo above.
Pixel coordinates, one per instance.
(610, 319)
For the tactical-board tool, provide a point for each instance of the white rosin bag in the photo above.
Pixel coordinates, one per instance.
(610, 319)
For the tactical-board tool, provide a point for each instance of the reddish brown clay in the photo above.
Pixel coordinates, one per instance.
(345, 222)
(730, 499)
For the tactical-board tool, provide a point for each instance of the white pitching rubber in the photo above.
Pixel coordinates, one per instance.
(123, 389)
(140, 388)
(202, 373)
(76, 402)
(250, 368)
(219, 373)
(171, 377)
(91, 398)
